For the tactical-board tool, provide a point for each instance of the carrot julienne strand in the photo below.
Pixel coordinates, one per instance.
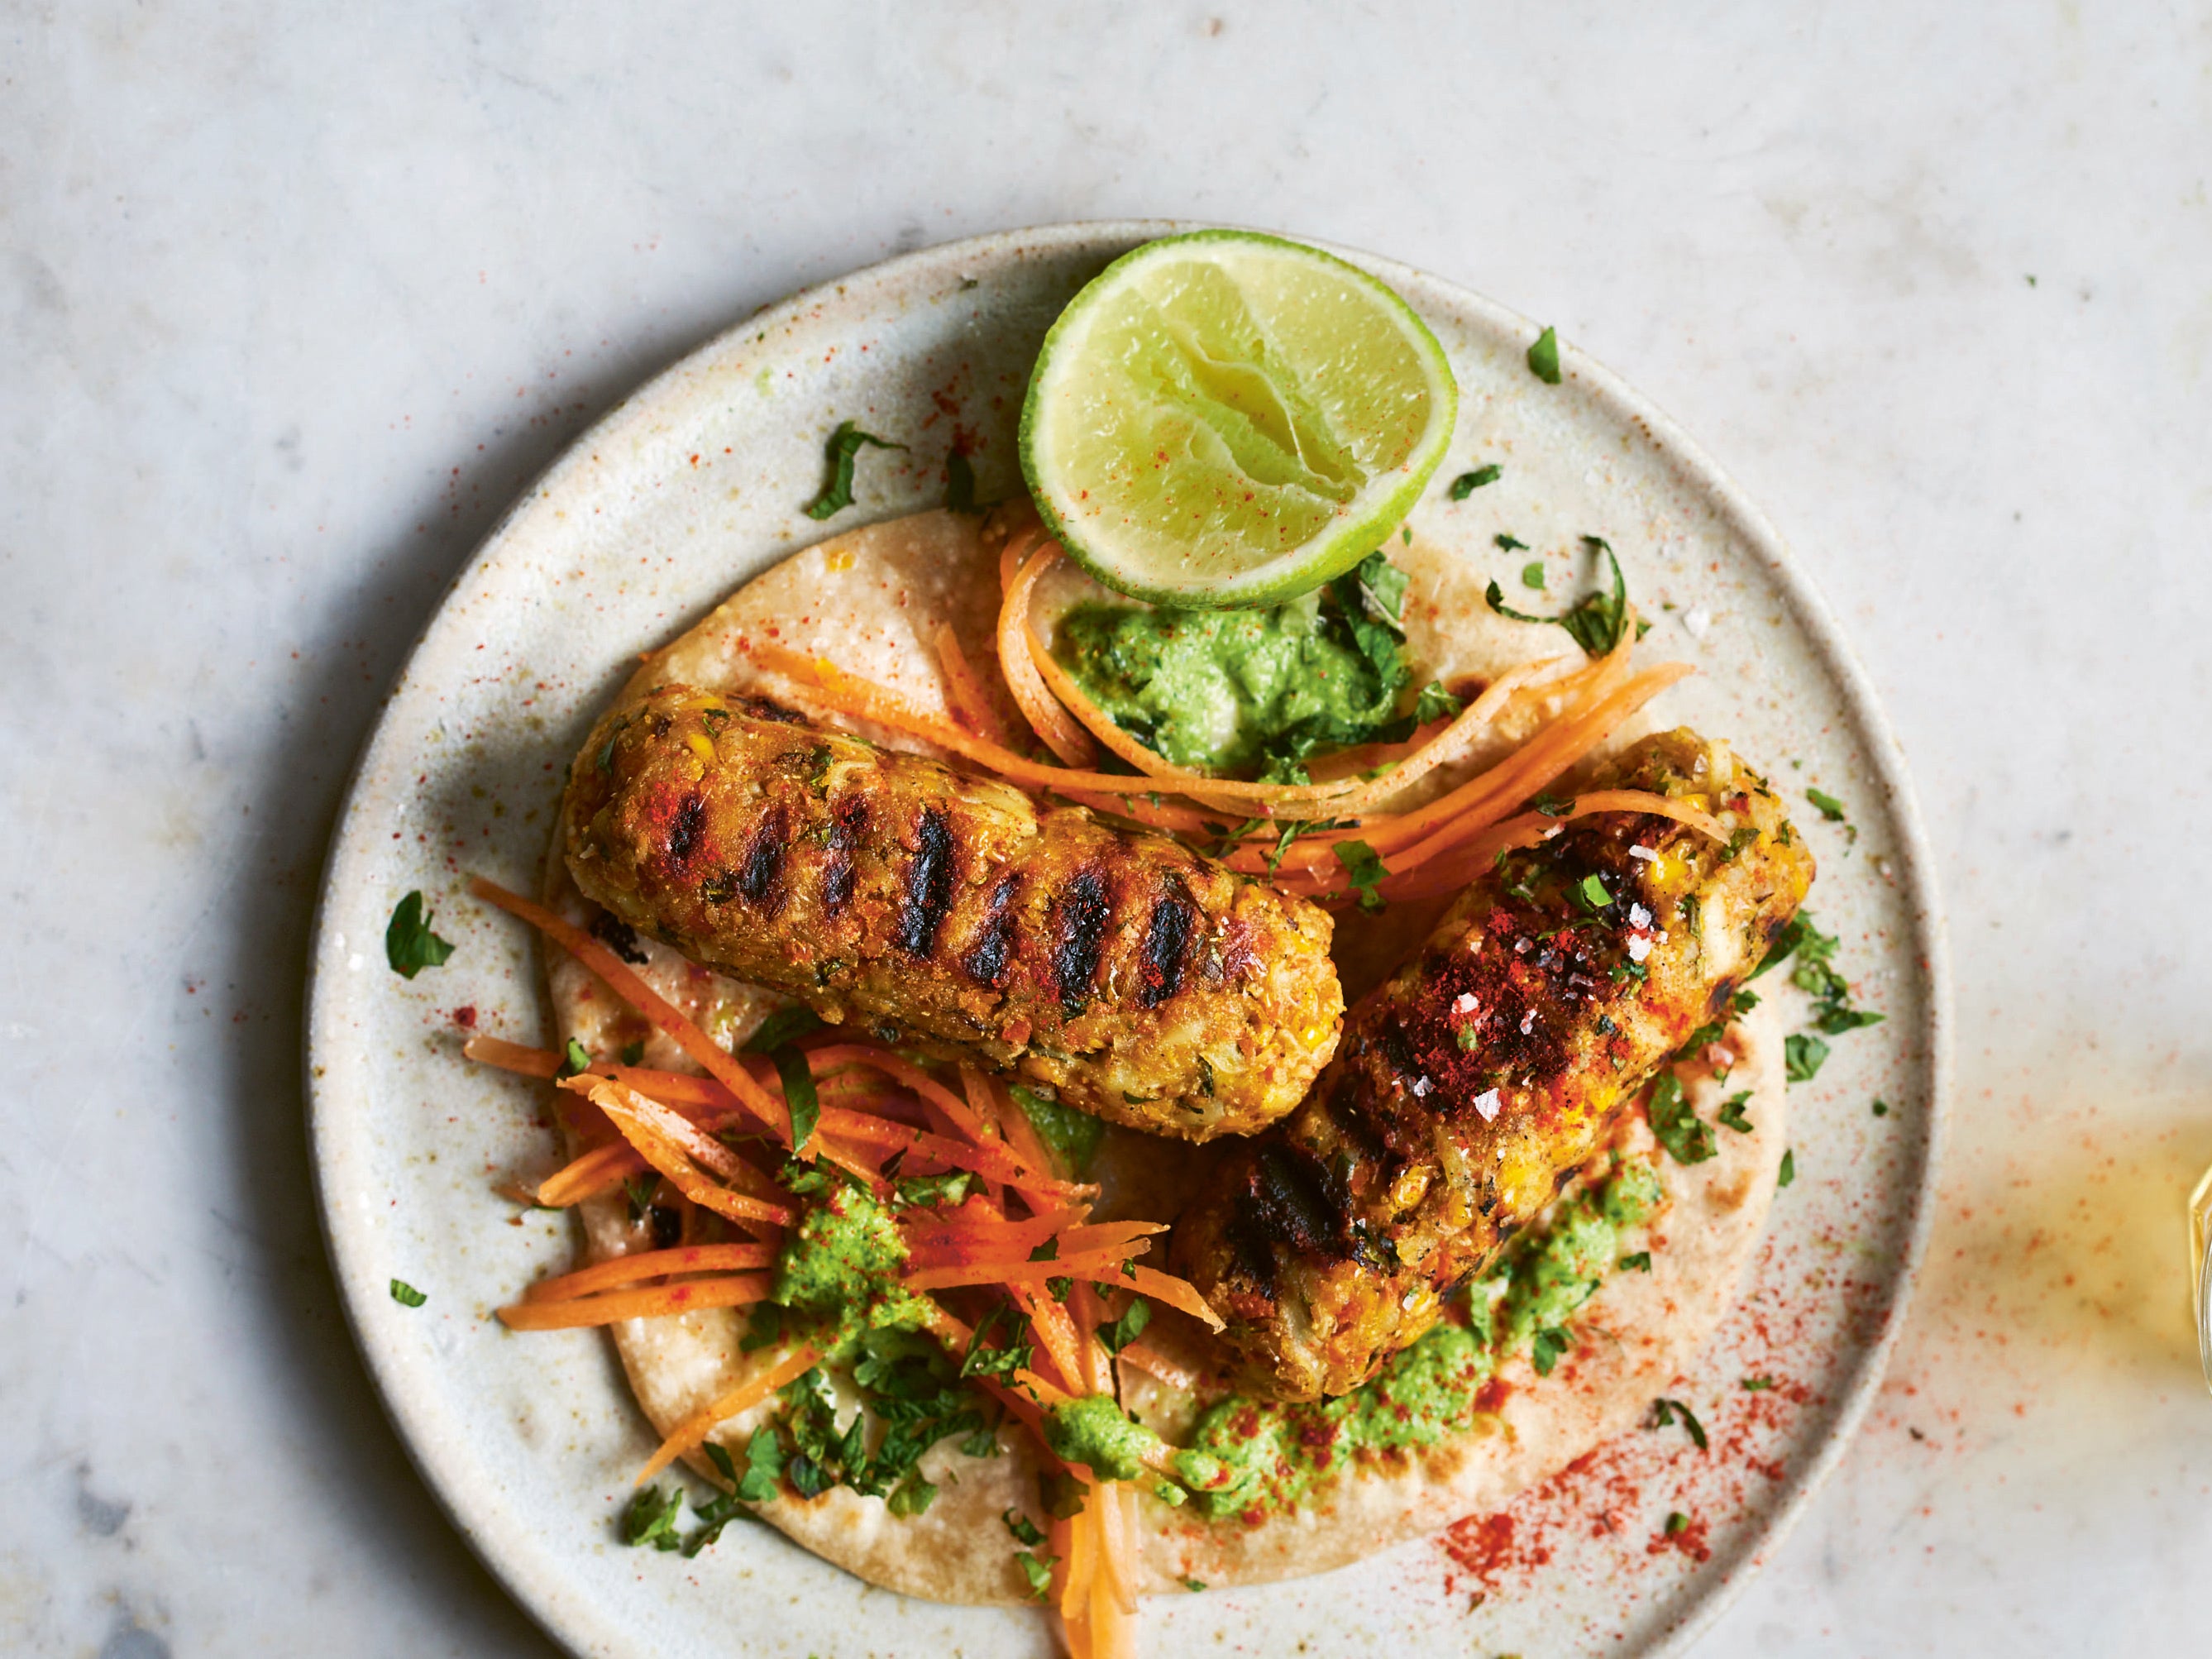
(650, 1264)
(651, 1302)
(1019, 666)
(688, 1434)
(664, 1015)
(970, 703)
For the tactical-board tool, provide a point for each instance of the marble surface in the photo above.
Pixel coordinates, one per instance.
(291, 308)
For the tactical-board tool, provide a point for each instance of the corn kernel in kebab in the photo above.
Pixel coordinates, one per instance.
(1487, 1069)
(1145, 984)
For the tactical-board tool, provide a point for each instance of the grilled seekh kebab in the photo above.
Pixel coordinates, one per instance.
(1145, 984)
(1487, 1069)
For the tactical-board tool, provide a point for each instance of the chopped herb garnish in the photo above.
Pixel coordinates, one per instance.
(639, 1190)
(1757, 1384)
(959, 484)
(633, 1054)
(1803, 1056)
(1595, 622)
(1788, 1172)
(798, 1094)
(1547, 1347)
(651, 1518)
(844, 447)
(1467, 482)
(1675, 1123)
(1677, 1524)
(1640, 1263)
(406, 1295)
(1544, 357)
(1732, 1115)
(1025, 1531)
(1531, 574)
(999, 1361)
(575, 1061)
(1738, 839)
(1193, 1584)
(1037, 1569)
(1591, 894)
(1830, 808)
(1881, 1108)
(784, 1025)
(935, 1191)
(1072, 1136)
(1129, 1328)
(1434, 704)
(1554, 806)
(1363, 869)
(1509, 543)
(911, 1496)
(409, 945)
(763, 1467)
(1664, 1412)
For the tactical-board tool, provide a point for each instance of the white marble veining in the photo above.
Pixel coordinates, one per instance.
(290, 306)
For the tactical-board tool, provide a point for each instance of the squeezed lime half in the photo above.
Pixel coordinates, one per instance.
(1225, 418)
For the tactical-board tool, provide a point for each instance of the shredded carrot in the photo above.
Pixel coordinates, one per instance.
(663, 1015)
(1082, 1560)
(1104, 1266)
(955, 1233)
(650, 1264)
(1152, 1361)
(643, 1125)
(652, 1302)
(1113, 1550)
(694, 1429)
(1175, 1293)
(1054, 1330)
(593, 1173)
(970, 703)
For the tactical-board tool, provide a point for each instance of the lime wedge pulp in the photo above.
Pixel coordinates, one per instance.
(1225, 418)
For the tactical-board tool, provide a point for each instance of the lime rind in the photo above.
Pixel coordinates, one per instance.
(1227, 463)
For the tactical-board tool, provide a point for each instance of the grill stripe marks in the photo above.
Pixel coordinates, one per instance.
(928, 886)
(1078, 928)
(986, 960)
(848, 827)
(683, 833)
(1167, 947)
(760, 877)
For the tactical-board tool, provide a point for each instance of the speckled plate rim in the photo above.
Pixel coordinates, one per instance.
(532, 1578)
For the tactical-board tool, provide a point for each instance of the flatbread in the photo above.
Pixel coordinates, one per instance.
(873, 601)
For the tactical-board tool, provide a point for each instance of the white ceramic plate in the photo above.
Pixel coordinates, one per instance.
(697, 482)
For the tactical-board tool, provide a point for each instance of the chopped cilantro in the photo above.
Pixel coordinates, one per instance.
(1003, 1361)
(1531, 574)
(1881, 1108)
(959, 484)
(406, 1295)
(575, 1061)
(1025, 1531)
(1546, 1348)
(784, 1025)
(1675, 1123)
(798, 1094)
(1835, 1019)
(1363, 869)
(844, 447)
(1803, 1056)
(1591, 894)
(1434, 704)
(1129, 1328)
(911, 1496)
(409, 945)
(1677, 1524)
(1732, 1115)
(1757, 1384)
(763, 1467)
(1509, 543)
(1640, 1263)
(1595, 622)
(1193, 1584)
(1467, 482)
(1555, 806)
(1664, 1412)
(935, 1191)
(1830, 808)
(1788, 1172)
(1544, 357)
(633, 1054)
(1037, 1569)
(651, 1518)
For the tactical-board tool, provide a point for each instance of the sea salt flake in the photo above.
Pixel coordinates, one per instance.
(1463, 1003)
(1698, 621)
(1528, 1021)
(1638, 916)
(1638, 947)
(1644, 852)
(1489, 1105)
(1421, 1086)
